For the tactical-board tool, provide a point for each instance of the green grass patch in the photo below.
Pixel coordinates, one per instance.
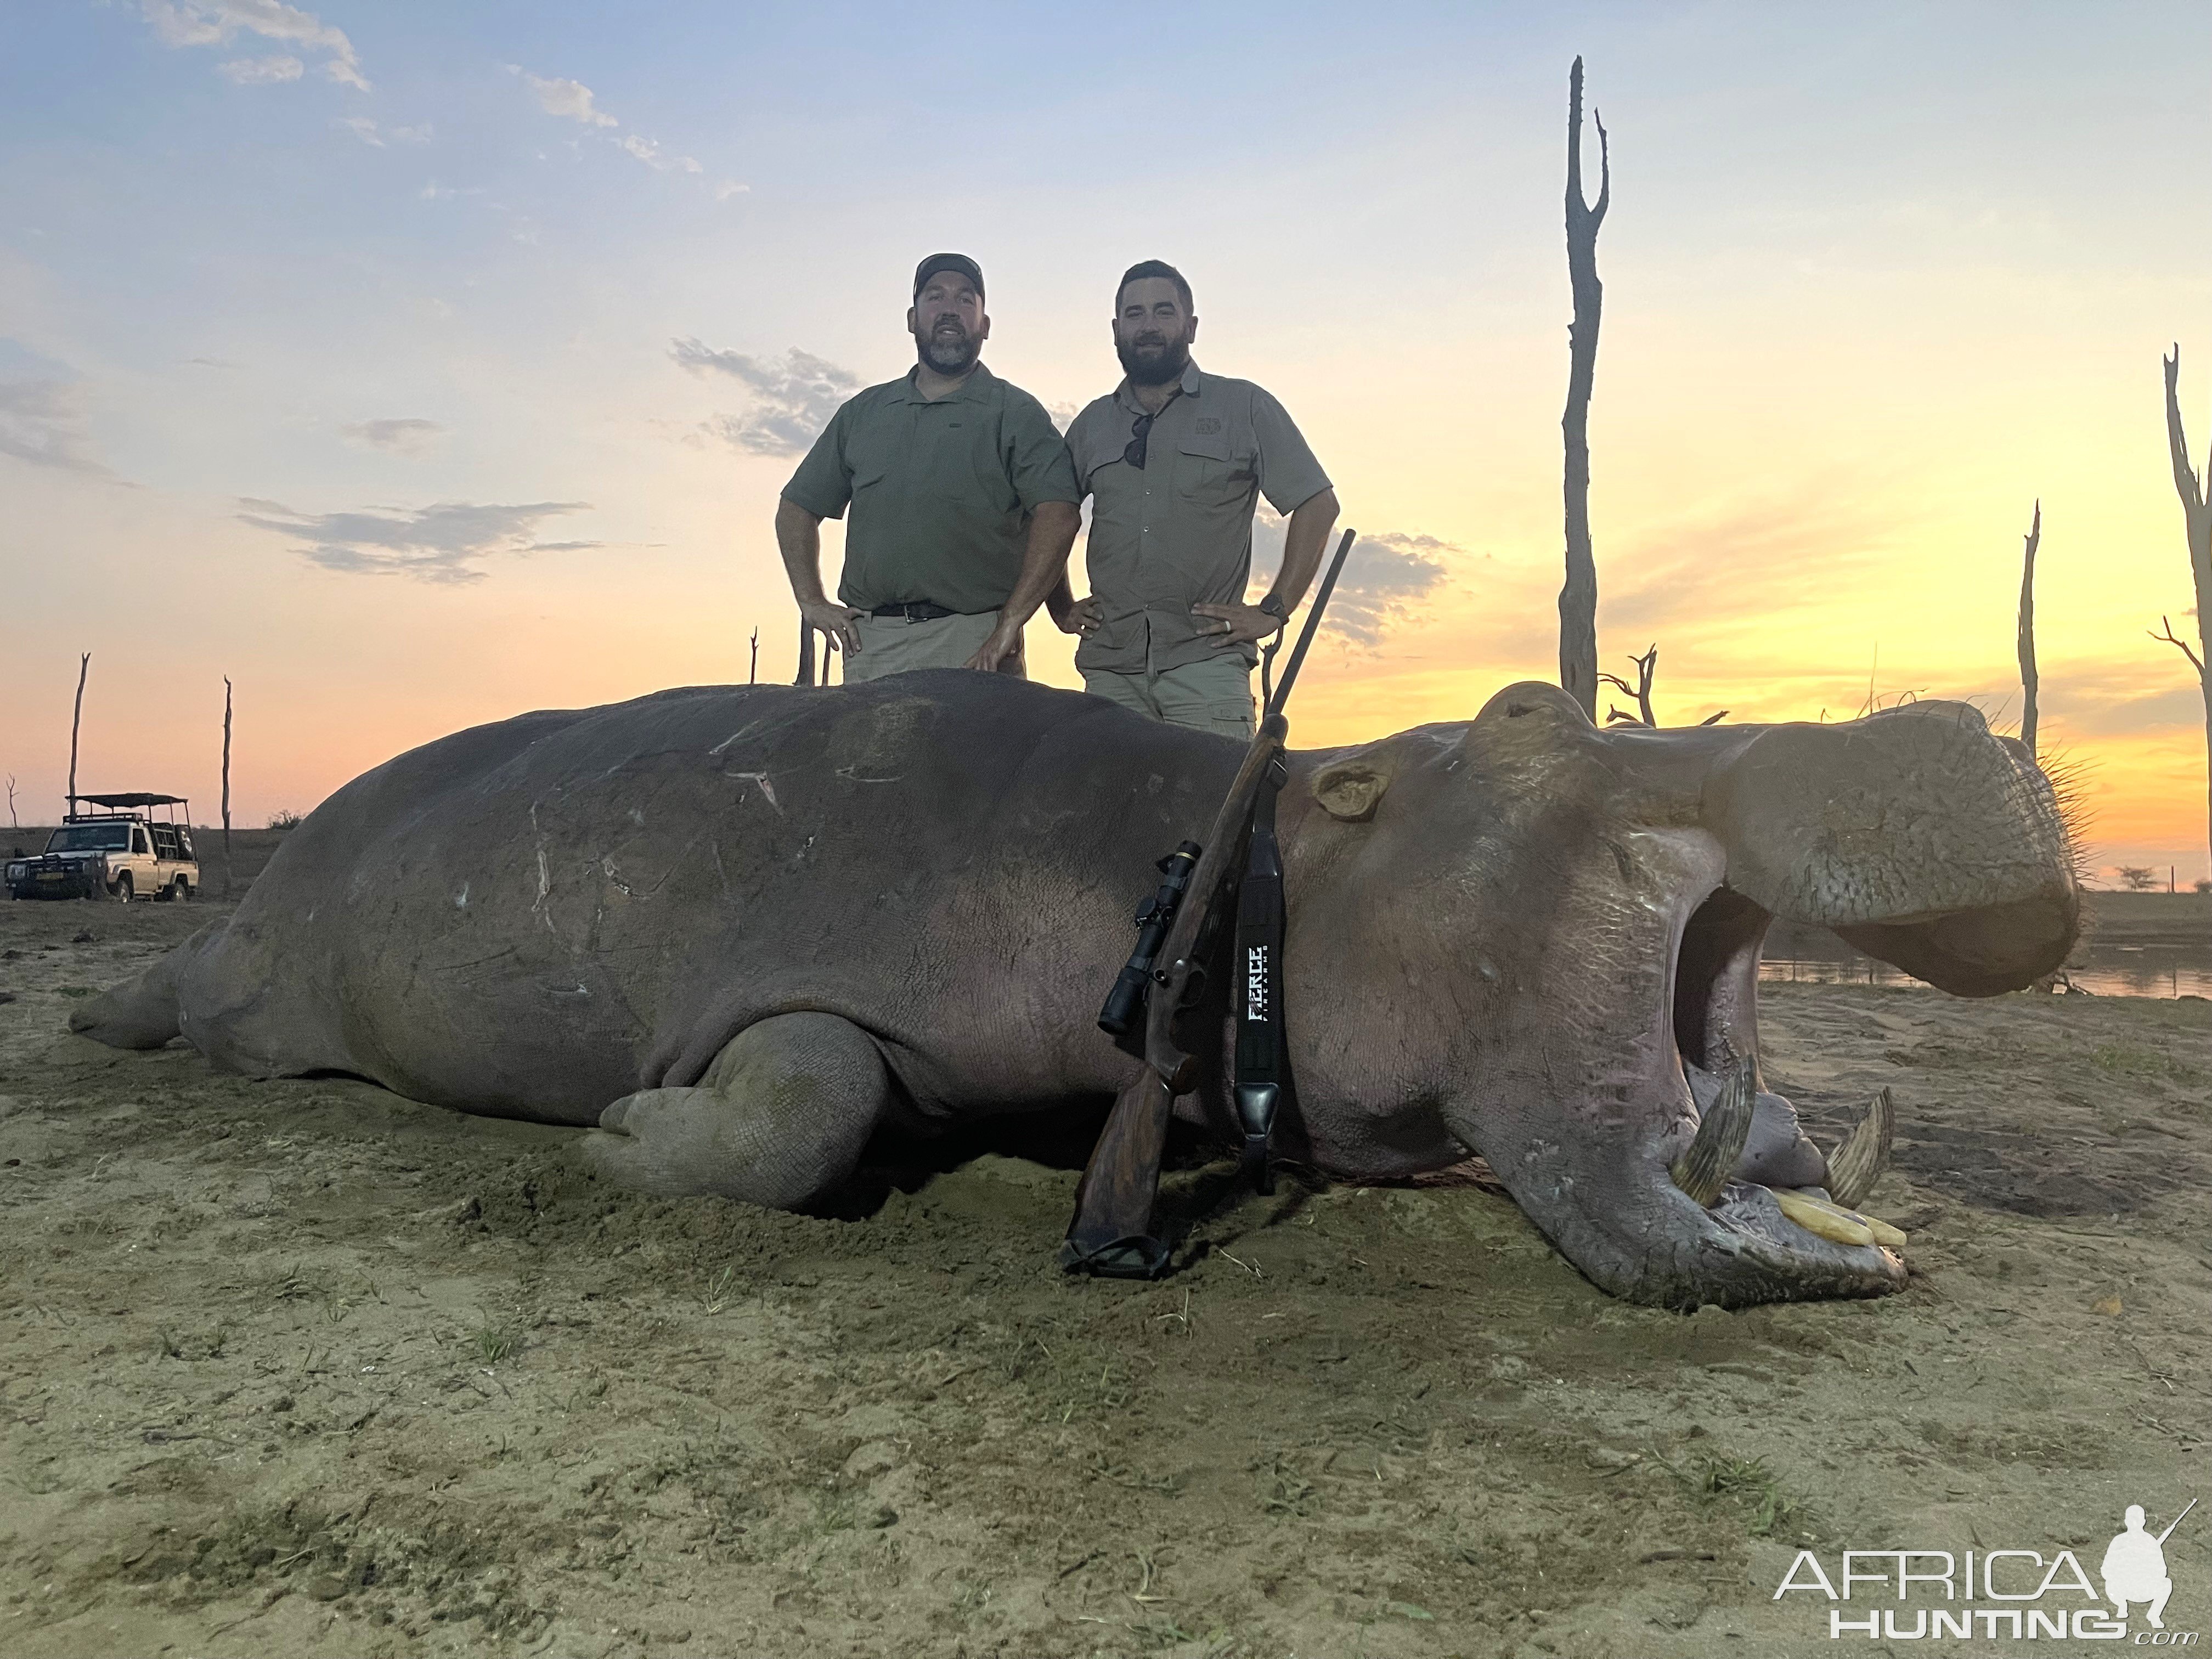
(2132, 1060)
(1750, 1488)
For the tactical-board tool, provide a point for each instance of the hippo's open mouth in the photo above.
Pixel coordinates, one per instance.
(1768, 1196)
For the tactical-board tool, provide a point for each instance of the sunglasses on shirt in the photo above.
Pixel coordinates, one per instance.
(1140, 433)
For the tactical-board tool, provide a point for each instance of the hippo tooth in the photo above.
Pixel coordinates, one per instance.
(1703, 1170)
(1816, 1213)
(1854, 1166)
(1816, 1217)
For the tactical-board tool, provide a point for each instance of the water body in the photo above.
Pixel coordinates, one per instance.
(2123, 971)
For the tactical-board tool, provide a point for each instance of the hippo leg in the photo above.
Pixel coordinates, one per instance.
(780, 1119)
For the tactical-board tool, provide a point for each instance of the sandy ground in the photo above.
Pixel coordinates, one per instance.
(304, 1367)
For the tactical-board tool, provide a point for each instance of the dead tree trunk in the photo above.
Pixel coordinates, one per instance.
(2197, 517)
(1647, 670)
(805, 675)
(753, 673)
(76, 720)
(228, 866)
(1578, 597)
(2027, 679)
(12, 823)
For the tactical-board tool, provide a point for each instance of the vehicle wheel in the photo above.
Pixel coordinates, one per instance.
(180, 890)
(123, 888)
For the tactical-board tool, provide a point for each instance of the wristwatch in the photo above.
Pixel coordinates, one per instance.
(1274, 608)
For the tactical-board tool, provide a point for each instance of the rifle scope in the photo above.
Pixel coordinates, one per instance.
(1125, 1003)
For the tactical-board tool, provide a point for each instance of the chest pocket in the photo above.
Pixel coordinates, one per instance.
(1210, 473)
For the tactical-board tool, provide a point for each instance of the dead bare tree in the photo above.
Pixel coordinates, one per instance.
(1647, 668)
(1578, 674)
(2197, 517)
(752, 674)
(12, 822)
(805, 675)
(228, 866)
(1647, 671)
(76, 720)
(2027, 679)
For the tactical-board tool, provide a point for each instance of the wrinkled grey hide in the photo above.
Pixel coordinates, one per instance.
(742, 928)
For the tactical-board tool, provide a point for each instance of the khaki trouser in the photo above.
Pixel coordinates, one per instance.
(892, 645)
(1212, 695)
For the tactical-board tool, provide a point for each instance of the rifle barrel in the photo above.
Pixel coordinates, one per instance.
(2177, 1521)
(1313, 623)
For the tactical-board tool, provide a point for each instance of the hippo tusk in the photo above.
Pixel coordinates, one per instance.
(1854, 1166)
(1817, 1214)
(1704, 1169)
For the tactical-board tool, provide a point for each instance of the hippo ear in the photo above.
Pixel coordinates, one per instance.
(1349, 788)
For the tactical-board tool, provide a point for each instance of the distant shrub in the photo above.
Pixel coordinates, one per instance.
(2138, 878)
(2204, 884)
(283, 818)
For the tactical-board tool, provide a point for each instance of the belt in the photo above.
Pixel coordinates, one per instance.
(920, 611)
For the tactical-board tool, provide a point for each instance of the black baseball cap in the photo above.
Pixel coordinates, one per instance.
(937, 261)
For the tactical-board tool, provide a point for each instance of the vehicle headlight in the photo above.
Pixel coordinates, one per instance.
(17, 872)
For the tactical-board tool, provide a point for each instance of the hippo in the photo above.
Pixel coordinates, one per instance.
(734, 932)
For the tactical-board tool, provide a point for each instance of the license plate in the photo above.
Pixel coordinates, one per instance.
(52, 875)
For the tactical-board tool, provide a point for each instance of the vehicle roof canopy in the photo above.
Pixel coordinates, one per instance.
(117, 801)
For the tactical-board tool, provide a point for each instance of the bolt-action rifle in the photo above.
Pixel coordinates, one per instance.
(1112, 1233)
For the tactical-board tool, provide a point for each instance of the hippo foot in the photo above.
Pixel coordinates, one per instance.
(780, 1119)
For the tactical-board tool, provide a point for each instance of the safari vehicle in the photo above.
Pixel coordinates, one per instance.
(121, 852)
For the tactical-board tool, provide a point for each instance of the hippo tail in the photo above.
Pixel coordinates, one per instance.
(143, 1012)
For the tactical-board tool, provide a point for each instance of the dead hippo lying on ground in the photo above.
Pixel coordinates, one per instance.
(740, 929)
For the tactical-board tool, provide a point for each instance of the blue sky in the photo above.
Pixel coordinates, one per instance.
(339, 347)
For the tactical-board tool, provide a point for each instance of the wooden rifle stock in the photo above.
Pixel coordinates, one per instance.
(1112, 1233)
(1114, 1204)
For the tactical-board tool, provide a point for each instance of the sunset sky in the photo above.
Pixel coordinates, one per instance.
(418, 364)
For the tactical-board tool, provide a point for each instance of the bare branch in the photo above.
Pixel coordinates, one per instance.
(228, 866)
(2197, 520)
(1575, 137)
(1715, 719)
(1604, 172)
(2186, 479)
(2181, 645)
(2025, 639)
(1646, 668)
(76, 720)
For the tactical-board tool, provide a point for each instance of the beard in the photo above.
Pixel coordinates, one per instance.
(1152, 359)
(947, 352)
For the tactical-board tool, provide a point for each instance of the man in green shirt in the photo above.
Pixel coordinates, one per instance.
(1175, 461)
(963, 501)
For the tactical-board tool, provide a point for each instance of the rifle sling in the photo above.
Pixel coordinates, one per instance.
(1257, 985)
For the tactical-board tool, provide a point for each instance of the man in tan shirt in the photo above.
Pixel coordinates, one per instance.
(1175, 461)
